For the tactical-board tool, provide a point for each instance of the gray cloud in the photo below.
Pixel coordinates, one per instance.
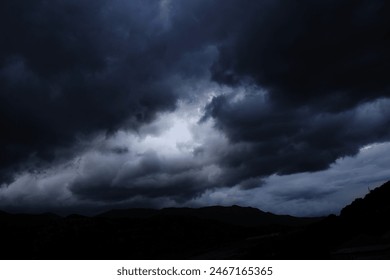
(70, 70)
(308, 85)
(330, 55)
(295, 140)
(311, 194)
(159, 103)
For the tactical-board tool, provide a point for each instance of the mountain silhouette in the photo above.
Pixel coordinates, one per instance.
(235, 215)
(361, 231)
(373, 206)
(366, 223)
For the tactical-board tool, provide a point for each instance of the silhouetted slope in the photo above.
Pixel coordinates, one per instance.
(365, 223)
(137, 233)
(235, 215)
(78, 237)
(3, 214)
(376, 204)
(361, 231)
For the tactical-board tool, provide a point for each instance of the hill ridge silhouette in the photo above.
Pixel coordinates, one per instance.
(237, 215)
(373, 203)
(360, 231)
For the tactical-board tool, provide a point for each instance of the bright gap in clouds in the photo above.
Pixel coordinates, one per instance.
(178, 133)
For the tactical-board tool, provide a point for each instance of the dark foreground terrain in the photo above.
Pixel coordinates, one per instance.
(361, 231)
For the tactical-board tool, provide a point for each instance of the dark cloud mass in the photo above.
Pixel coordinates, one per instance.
(70, 69)
(289, 86)
(323, 67)
(328, 54)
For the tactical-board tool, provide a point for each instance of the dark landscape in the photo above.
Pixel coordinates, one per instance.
(361, 231)
(195, 129)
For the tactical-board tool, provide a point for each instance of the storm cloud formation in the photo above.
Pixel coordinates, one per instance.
(157, 103)
(329, 54)
(70, 69)
(323, 68)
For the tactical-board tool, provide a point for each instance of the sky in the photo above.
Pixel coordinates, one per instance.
(278, 105)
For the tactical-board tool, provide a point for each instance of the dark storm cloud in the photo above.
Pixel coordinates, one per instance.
(327, 54)
(315, 80)
(296, 140)
(142, 175)
(296, 85)
(145, 172)
(71, 69)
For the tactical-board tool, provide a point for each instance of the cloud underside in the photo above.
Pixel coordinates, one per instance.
(162, 103)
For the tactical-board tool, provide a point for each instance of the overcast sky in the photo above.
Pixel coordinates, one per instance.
(279, 105)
